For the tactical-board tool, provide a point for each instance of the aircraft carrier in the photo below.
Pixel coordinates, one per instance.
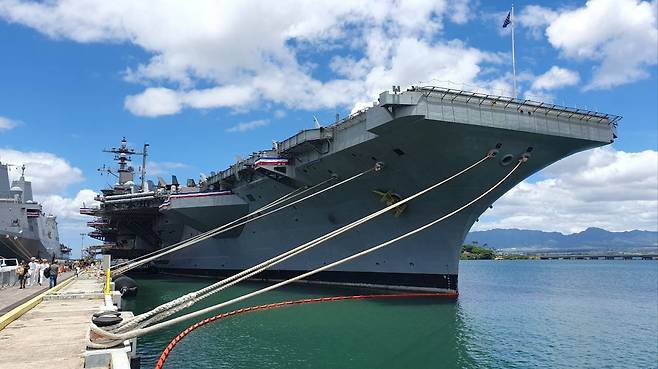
(418, 137)
(25, 230)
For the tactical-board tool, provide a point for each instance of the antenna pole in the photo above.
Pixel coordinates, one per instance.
(82, 245)
(513, 57)
(144, 154)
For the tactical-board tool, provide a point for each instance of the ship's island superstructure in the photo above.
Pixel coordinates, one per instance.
(421, 136)
(25, 230)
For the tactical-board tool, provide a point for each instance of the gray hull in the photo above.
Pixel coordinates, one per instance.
(420, 143)
(22, 248)
(25, 231)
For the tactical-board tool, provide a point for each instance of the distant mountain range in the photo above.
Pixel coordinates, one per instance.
(589, 239)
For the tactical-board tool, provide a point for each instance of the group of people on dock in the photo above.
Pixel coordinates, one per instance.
(37, 271)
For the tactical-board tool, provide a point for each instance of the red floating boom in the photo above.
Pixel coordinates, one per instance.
(181, 335)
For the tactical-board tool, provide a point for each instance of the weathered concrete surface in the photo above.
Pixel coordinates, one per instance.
(53, 334)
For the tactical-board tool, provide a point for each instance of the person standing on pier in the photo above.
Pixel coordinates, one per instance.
(44, 266)
(21, 273)
(37, 272)
(54, 269)
(31, 275)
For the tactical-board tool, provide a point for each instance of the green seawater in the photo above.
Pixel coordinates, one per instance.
(510, 314)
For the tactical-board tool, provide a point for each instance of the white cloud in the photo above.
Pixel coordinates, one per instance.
(66, 208)
(158, 168)
(248, 126)
(619, 34)
(539, 96)
(154, 102)
(49, 173)
(279, 113)
(555, 77)
(70, 222)
(536, 18)
(6, 124)
(202, 51)
(219, 97)
(604, 188)
(158, 101)
(460, 11)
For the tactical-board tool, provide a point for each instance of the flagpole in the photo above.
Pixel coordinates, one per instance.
(513, 58)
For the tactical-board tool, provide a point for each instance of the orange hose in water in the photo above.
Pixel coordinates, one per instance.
(183, 334)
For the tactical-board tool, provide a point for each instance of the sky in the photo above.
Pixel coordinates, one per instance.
(206, 81)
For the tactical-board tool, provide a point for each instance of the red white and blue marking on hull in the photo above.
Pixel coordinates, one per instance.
(271, 161)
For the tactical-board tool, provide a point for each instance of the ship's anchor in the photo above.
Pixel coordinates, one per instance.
(390, 198)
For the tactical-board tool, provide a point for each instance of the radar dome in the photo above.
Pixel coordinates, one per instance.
(130, 183)
(16, 189)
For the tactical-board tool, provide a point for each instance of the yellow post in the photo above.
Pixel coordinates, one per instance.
(108, 279)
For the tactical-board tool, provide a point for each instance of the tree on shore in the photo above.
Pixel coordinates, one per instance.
(474, 252)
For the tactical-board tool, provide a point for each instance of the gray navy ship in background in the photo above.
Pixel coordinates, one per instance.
(421, 136)
(25, 230)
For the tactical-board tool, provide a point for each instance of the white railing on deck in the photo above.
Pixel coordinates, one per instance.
(536, 106)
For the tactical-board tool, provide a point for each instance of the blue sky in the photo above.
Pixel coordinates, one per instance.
(77, 76)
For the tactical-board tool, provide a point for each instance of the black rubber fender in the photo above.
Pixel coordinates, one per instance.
(126, 285)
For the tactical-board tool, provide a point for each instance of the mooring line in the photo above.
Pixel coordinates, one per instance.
(118, 267)
(163, 311)
(184, 299)
(112, 339)
(233, 225)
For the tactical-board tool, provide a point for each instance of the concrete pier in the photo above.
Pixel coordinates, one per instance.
(11, 297)
(52, 330)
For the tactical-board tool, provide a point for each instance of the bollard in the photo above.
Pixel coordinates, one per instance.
(108, 280)
(106, 266)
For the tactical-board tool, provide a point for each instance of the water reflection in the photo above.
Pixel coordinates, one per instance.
(512, 314)
(391, 333)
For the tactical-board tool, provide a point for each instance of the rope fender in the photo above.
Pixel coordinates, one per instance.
(188, 330)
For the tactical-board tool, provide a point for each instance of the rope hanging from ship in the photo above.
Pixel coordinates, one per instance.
(122, 268)
(117, 334)
(255, 215)
(165, 307)
(168, 350)
(141, 260)
(185, 301)
(136, 262)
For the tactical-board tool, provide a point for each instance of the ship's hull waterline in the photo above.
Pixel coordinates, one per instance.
(417, 152)
(14, 246)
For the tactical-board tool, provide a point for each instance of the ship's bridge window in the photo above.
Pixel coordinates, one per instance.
(280, 169)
